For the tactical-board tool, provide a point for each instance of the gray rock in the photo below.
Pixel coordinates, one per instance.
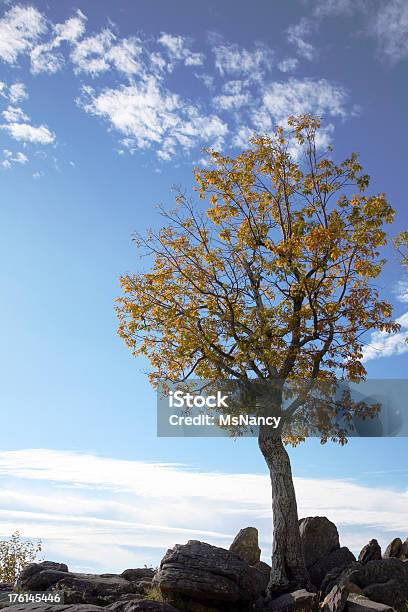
(384, 581)
(40, 607)
(359, 603)
(147, 605)
(245, 545)
(144, 605)
(301, 601)
(340, 558)
(335, 601)
(319, 537)
(138, 573)
(370, 552)
(213, 576)
(404, 551)
(94, 589)
(27, 580)
(394, 549)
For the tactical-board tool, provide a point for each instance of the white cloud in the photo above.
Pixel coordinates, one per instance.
(17, 92)
(148, 115)
(382, 344)
(324, 8)
(89, 55)
(401, 291)
(178, 49)
(288, 65)
(28, 133)
(72, 29)
(20, 29)
(14, 114)
(81, 504)
(299, 96)
(391, 29)
(10, 158)
(231, 59)
(97, 54)
(296, 36)
(45, 57)
(234, 96)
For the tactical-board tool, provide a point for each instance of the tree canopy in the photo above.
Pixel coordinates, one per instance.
(274, 279)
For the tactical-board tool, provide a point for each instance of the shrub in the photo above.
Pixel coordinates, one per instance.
(15, 553)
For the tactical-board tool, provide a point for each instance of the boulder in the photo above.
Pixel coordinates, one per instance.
(147, 605)
(137, 574)
(335, 601)
(359, 603)
(215, 577)
(340, 559)
(404, 550)
(94, 589)
(394, 549)
(36, 607)
(319, 537)
(301, 601)
(245, 545)
(144, 605)
(384, 580)
(370, 552)
(39, 576)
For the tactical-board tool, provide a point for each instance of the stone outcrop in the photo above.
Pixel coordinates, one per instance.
(384, 581)
(245, 545)
(394, 549)
(209, 575)
(370, 552)
(319, 537)
(321, 548)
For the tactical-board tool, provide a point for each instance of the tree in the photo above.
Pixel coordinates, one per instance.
(271, 282)
(401, 242)
(15, 553)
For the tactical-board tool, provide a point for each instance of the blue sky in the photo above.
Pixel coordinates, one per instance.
(105, 106)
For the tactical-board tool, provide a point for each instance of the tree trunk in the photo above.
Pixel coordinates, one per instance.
(288, 567)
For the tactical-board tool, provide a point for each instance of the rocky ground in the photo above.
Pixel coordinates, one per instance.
(199, 577)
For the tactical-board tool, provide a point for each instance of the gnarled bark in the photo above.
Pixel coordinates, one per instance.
(288, 567)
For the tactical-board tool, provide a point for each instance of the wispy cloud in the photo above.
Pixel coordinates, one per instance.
(178, 49)
(382, 344)
(146, 114)
(288, 64)
(232, 59)
(81, 504)
(297, 35)
(20, 29)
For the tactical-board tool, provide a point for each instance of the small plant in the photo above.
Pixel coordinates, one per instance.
(15, 554)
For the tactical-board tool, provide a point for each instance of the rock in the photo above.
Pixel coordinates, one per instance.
(137, 574)
(245, 545)
(335, 601)
(404, 550)
(384, 581)
(340, 558)
(144, 605)
(212, 576)
(36, 607)
(359, 603)
(94, 589)
(370, 552)
(319, 537)
(29, 578)
(147, 605)
(394, 549)
(300, 600)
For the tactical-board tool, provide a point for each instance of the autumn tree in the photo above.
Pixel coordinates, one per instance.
(271, 280)
(15, 554)
(401, 242)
